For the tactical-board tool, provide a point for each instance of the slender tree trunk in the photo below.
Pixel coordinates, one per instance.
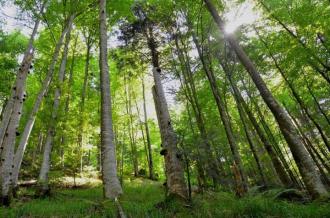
(190, 90)
(142, 132)
(132, 131)
(4, 104)
(238, 167)
(130, 126)
(200, 169)
(317, 102)
(82, 102)
(31, 119)
(44, 189)
(304, 162)
(248, 133)
(112, 187)
(267, 145)
(281, 166)
(67, 101)
(302, 43)
(146, 126)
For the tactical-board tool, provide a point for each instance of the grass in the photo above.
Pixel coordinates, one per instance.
(141, 196)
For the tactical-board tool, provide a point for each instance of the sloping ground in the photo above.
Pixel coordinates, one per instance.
(141, 196)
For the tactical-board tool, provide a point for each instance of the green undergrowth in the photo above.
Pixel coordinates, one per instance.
(141, 196)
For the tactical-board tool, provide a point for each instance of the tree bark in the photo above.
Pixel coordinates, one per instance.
(174, 168)
(112, 187)
(45, 84)
(12, 115)
(43, 181)
(304, 162)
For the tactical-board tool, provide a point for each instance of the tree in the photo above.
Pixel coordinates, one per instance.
(305, 163)
(112, 188)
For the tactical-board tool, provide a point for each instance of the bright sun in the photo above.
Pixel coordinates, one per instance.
(238, 15)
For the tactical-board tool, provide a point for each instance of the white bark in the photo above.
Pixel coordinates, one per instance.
(29, 125)
(112, 188)
(12, 115)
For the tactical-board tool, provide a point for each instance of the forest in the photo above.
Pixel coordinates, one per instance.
(164, 108)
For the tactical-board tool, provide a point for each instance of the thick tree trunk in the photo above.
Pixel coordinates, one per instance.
(173, 158)
(146, 126)
(174, 168)
(45, 166)
(112, 188)
(314, 154)
(12, 115)
(304, 162)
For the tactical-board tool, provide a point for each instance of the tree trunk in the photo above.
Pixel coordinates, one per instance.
(270, 143)
(201, 178)
(112, 188)
(67, 101)
(304, 162)
(142, 132)
(174, 168)
(242, 185)
(267, 145)
(247, 131)
(316, 101)
(207, 157)
(12, 115)
(4, 103)
(314, 154)
(146, 126)
(82, 102)
(45, 166)
(129, 124)
(31, 119)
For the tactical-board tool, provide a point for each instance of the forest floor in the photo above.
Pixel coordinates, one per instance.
(142, 195)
